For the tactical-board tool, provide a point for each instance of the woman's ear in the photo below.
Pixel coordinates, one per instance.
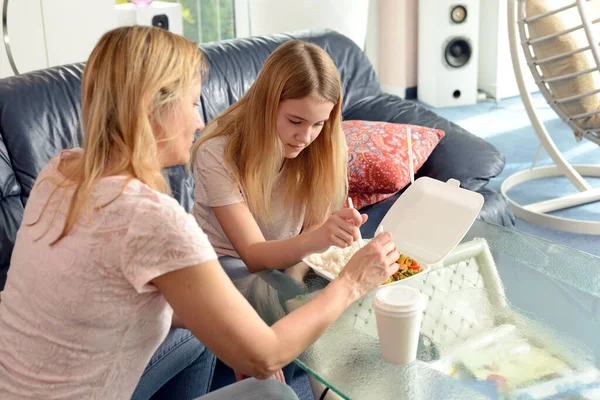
(154, 120)
(154, 117)
(150, 108)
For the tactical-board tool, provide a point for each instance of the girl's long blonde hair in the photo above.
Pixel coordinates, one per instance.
(133, 77)
(316, 180)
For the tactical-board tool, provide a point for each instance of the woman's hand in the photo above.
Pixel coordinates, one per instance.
(372, 265)
(277, 375)
(340, 229)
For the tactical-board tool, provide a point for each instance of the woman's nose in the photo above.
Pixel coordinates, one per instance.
(199, 123)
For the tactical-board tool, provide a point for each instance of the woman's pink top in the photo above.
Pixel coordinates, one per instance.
(81, 319)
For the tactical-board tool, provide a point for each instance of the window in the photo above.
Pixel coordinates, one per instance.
(208, 20)
(211, 20)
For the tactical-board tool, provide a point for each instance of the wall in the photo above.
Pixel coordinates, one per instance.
(263, 19)
(412, 42)
(496, 74)
(372, 39)
(45, 33)
(348, 17)
(26, 36)
(397, 53)
(386, 29)
(78, 23)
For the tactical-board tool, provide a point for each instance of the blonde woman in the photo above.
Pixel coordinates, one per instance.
(105, 262)
(271, 169)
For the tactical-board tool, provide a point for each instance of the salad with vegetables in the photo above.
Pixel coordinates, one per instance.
(407, 267)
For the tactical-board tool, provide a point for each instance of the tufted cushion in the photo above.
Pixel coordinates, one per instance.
(575, 63)
(378, 164)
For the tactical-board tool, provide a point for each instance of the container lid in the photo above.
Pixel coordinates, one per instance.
(431, 217)
(398, 299)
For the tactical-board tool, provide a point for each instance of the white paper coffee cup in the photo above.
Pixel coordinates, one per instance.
(399, 311)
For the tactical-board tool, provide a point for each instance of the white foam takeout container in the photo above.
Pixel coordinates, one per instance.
(426, 222)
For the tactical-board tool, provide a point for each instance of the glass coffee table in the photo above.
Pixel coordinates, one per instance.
(509, 316)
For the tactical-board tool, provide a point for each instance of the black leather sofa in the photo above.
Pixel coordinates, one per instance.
(40, 115)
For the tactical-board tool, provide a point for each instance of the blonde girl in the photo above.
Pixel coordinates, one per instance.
(270, 171)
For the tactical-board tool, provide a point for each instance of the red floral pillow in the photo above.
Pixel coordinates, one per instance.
(378, 157)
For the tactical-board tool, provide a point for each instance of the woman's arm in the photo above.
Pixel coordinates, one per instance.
(341, 229)
(215, 311)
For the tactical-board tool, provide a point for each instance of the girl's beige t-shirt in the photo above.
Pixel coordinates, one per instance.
(216, 187)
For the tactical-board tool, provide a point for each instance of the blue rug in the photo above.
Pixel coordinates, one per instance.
(506, 125)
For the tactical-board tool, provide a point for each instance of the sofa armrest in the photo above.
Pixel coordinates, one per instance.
(459, 155)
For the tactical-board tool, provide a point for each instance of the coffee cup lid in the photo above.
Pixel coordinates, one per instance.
(398, 299)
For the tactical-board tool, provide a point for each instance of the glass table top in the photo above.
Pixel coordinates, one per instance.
(509, 316)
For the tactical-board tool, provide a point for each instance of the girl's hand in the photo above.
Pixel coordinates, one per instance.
(340, 229)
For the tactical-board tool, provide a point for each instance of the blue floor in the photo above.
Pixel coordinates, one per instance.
(506, 125)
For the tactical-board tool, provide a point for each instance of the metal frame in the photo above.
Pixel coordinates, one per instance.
(6, 38)
(538, 212)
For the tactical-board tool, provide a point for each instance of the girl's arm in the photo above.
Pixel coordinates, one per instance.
(340, 229)
(310, 228)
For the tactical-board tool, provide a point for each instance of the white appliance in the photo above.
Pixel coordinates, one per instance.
(448, 52)
(45, 33)
(159, 13)
(496, 73)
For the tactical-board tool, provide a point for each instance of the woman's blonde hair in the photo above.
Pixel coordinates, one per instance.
(133, 77)
(316, 180)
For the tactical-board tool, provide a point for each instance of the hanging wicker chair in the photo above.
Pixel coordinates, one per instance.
(559, 39)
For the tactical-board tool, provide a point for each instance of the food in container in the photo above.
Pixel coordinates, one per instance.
(335, 259)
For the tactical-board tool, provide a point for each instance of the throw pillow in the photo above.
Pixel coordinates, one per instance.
(378, 157)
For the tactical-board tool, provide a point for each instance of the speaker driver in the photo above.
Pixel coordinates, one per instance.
(161, 21)
(458, 52)
(458, 14)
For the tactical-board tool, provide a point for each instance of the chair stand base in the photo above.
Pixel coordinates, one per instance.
(536, 213)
